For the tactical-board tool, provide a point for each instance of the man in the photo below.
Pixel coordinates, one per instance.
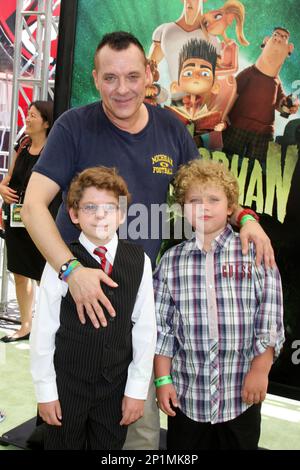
(168, 38)
(124, 132)
(260, 93)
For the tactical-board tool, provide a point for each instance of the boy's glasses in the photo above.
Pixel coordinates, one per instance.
(93, 208)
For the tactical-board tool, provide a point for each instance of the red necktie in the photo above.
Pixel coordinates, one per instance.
(105, 264)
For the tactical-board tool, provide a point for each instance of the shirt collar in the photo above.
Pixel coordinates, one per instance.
(111, 247)
(218, 243)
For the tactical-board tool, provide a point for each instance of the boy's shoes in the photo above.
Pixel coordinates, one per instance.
(2, 416)
(13, 339)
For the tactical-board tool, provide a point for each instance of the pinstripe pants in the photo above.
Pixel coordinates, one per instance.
(91, 413)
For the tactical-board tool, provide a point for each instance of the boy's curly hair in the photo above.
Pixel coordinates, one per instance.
(204, 172)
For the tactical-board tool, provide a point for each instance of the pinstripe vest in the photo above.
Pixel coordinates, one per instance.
(89, 353)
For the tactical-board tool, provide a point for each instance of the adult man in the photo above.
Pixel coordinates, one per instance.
(260, 93)
(168, 38)
(119, 131)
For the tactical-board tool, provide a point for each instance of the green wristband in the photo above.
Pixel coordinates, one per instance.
(245, 218)
(164, 380)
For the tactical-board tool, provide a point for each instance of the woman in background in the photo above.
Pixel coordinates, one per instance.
(23, 258)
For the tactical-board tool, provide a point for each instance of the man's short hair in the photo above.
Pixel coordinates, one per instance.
(197, 49)
(119, 41)
(99, 177)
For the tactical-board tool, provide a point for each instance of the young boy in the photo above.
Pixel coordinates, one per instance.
(91, 383)
(219, 322)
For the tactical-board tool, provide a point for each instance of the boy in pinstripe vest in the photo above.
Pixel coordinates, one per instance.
(219, 319)
(91, 383)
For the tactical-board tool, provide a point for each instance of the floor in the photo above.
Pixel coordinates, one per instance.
(280, 416)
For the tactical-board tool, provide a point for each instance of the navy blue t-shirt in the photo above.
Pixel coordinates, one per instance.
(84, 137)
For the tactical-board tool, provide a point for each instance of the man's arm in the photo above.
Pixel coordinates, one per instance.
(84, 283)
(39, 222)
(252, 231)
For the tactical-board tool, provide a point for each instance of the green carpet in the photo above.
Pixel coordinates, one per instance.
(280, 416)
(17, 398)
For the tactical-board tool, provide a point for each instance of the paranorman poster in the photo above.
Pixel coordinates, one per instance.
(229, 71)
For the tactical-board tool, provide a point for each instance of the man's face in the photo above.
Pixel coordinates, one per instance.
(191, 10)
(196, 77)
(121, 78)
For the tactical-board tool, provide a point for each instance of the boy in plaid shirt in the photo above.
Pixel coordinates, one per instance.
(220, 321)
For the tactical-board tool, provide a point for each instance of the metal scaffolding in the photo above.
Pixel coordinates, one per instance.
(36, 25)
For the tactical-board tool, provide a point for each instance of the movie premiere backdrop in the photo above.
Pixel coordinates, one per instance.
(212, 64)
(7, 48)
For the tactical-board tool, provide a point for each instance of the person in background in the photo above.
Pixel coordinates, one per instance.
(91, 384)
(220, 322)
(23, 258)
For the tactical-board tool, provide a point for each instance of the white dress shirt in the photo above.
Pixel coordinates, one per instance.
(46, 323)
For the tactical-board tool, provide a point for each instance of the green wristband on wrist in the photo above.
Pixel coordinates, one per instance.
(245, 218)
(164, 380)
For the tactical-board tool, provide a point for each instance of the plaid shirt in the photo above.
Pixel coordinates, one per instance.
(215, 312)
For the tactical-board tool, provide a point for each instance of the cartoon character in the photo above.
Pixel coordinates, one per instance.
(191, 94)
(168, 38)
(260, 93)
(216, 22)
(155, 93)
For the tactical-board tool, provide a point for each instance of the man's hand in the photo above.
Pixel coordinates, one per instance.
(132, 410)
(51, 412)
(252, 231)
(166, 396)
(85, 288)
(255, 387)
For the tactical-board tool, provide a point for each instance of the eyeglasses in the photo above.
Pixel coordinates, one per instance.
(89, 209)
